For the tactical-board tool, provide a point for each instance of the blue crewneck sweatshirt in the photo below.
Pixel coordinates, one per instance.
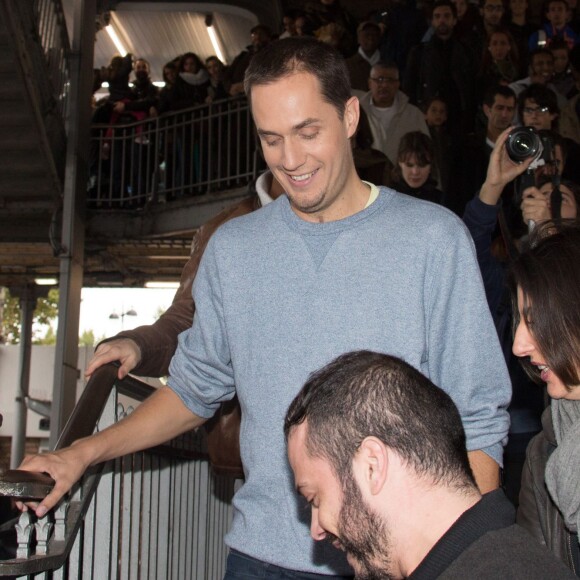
(277, 298)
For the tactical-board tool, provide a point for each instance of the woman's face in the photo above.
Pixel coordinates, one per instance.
(190, 65)
(499, 46)
(415, 175)
(568, 210)
(213, 68)
(461, 6)
(169, 74)
(525, 345)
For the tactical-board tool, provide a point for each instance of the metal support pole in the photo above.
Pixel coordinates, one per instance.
(27, 305)
(73, 240)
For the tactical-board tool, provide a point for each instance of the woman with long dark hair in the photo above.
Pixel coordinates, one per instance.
(545, 284)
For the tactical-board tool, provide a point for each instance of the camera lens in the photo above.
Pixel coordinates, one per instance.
(523, 143)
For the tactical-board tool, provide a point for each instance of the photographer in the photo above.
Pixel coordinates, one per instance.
(481, 217)
(537, 201)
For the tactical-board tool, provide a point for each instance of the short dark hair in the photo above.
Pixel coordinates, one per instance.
(548, 273)
(362, 394)
(417, 144)
(448, 3)
(288, 56)
(436, 99)
(386, 64)
(266, 30)
(541, 95)
(548, 2)
(535, 53)
(494, 90)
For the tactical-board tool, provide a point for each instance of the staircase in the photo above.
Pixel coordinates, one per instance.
(32, 134)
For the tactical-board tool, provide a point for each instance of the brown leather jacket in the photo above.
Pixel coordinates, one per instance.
(158, 341)
(537, 512)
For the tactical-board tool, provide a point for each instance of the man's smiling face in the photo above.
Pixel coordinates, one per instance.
(306, 144)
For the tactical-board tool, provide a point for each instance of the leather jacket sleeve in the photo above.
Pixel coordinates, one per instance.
(158, 341)
(532, 500)
(537, 513)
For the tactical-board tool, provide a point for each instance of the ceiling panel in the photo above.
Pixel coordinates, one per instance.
(160, 32)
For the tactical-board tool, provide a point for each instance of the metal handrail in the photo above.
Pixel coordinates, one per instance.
(99, 403)
(195, 151)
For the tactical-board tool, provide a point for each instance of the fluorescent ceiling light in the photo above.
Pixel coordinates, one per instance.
(215, 43)
(154, 284)
(116, 41)
(46, 281)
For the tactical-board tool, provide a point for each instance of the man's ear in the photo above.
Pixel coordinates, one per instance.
(351, 116)
(371, 465)
(486, 111)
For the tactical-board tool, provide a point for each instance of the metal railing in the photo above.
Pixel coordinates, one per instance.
(154, 514)
(54, 39)
(183, 153)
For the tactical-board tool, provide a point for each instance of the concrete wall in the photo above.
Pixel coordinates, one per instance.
(41, 378)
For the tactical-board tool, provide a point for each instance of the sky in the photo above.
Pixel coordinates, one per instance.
(97, 304)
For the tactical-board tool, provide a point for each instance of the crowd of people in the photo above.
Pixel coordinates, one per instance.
(432, 69)
(324, 260)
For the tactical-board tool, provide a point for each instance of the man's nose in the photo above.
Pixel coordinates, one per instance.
(316, 530)
(293, 155)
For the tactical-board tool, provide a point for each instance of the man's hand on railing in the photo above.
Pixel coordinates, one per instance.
(66, 467)
(124, 350)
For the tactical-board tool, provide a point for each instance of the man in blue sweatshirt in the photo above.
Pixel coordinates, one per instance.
(334, 265)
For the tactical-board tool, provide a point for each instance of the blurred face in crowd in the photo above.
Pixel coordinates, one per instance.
(561, 59)
(436, 114)
(555, 167)
(214, 68)
(369, 39)
(525, 345)
(500, 114)
(414, 174)
(383, 84)
(169, 74)
(499, 46)
(190, 65)
(289, 25)
(557, 13)
(542, 66)
(492, 12)
(141, 69)
(259, 39)
(518, 8)
(443, 22)
(461, 6)
(537, 117)
(306, 145)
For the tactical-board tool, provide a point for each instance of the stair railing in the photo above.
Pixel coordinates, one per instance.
(159, 513)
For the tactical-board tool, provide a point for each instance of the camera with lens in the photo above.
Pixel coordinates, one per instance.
(523, 143)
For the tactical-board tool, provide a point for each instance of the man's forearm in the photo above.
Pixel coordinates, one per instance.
(485, 470)
(160, 418)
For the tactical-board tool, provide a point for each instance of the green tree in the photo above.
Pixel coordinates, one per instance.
(45, 314)
(87, 338)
